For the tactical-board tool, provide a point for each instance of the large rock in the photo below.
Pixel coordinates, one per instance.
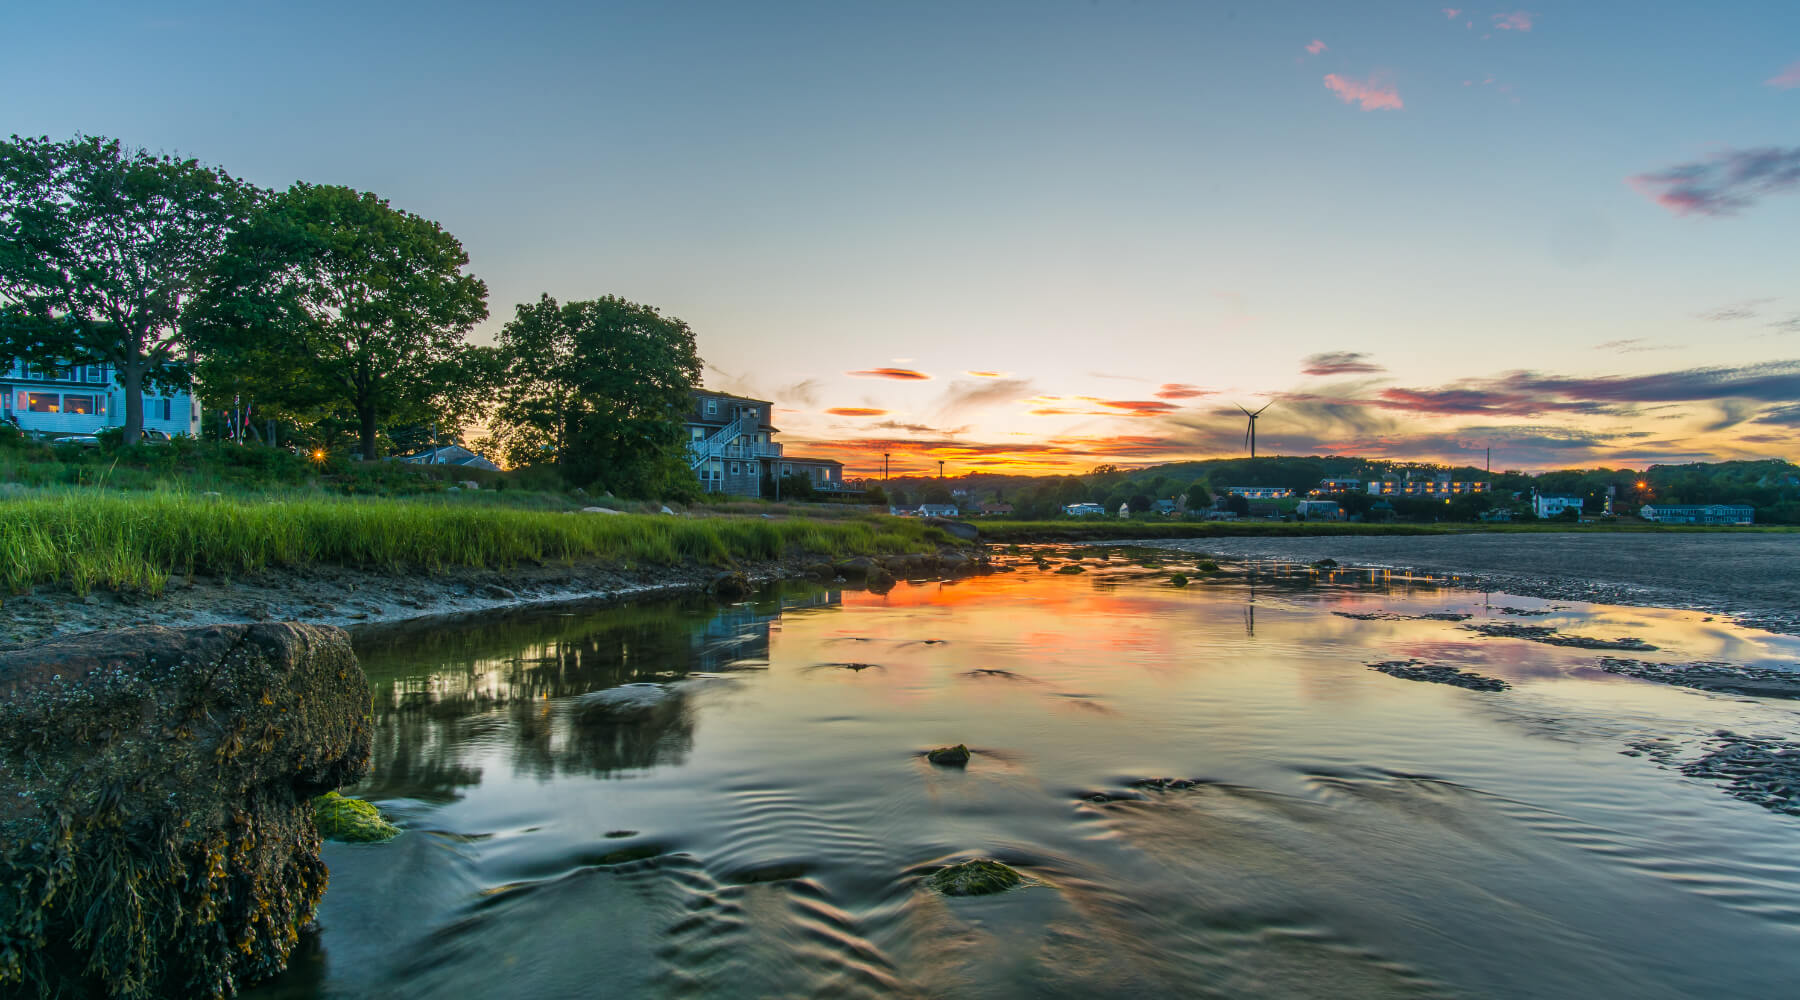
(156, 826)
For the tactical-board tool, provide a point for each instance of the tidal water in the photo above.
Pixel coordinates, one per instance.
(764, 832)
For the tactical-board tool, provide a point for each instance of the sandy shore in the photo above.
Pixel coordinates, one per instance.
(1752, 578)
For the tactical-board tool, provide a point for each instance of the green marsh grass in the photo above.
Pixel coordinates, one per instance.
(134, 542)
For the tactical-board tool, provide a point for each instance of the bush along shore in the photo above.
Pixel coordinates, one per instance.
(86, 560)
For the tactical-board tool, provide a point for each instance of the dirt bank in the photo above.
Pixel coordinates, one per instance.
(1750, 578)
(350, 597)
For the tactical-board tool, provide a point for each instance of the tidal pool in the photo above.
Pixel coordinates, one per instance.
(765, 829)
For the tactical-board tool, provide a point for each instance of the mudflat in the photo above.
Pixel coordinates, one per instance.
(1753, 577)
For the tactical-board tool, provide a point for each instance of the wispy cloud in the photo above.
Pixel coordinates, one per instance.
(1632, 345)
(986, 374)
(1787, 79)
(1747, 309)
(805, 392)
(1138, 407)
(1374, 94)
(856, 411)
(1452, 13)
(963, 396)
(1788, 325)
(1518, 20)
(1315, 46)
(1339, 363)
(1181, 390)
(904, 374)
(1724, 182)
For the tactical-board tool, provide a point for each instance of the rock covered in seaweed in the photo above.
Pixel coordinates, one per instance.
(956, 756)
(351, 821)
(156, 822)
(1413, 670)
(979, 877)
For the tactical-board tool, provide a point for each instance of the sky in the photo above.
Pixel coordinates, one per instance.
(1037, 237)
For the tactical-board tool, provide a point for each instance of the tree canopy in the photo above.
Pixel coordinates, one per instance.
(330, 296)
(599, 388)
(102, 250)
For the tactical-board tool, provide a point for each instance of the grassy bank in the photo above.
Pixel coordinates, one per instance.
(1101, 530)
(89, 539)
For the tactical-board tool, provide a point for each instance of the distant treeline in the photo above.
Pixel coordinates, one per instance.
(1771, 486)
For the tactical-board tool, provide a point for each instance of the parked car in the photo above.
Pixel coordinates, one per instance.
(78, 440)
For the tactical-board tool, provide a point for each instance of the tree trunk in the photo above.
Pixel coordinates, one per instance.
(367, 413)
(131, 376)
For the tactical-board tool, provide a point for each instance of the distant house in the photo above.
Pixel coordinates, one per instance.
(85, 399)
(937, 510)
(1084, 510)
(1259, 492)
(1500, 514)
(1265, 508)
(1329, 486)
(996, 507)
(450, 454)
(1319, 510)
(1544, 506)
(1715, 513)
(732, 447)
(1164, 507)
(1438, 486)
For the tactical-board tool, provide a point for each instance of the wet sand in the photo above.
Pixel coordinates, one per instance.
(1748, 577)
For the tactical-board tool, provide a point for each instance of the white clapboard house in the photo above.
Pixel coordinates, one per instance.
(85, 399)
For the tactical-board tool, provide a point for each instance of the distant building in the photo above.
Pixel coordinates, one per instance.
(1715, 513)
(1437, 487)
(85, 399)
(1327, 486)
(1544, 506)
(1084, 510)
(1319, 510)
(1495, 514)
(1259, 492)
(450, 454)
(1164, 507)
(996, 507)
(1265, 508)
(937, 510)
(732, 448)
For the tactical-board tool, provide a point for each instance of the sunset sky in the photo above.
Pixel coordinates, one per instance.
(1041, 236)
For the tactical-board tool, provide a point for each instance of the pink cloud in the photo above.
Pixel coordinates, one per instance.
(1315, 46)
(1374, 94)
(1518, 20)
(1787, 79)
(1451, 12)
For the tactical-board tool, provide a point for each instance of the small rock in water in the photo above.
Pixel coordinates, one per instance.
(980, 877)
(1549, 636)
(1178, 580)
(1413, 670)
(622, 703)
(956, 756)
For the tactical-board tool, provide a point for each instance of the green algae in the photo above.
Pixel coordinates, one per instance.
(351, 821)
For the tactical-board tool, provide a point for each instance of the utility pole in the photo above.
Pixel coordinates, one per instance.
(940, 468)
(884, 466)
(1490, 459)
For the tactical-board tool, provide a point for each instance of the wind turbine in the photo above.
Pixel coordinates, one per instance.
(1250, 432)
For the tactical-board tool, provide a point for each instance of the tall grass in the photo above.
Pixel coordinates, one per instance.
(88, 539)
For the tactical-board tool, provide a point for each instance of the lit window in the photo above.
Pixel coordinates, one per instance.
(78, 404)
(44, 402)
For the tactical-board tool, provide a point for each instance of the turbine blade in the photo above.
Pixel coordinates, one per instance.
(1241, 409)
(1264, 407)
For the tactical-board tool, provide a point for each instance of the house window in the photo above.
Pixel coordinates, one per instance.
(787, 470)
(712, 407)
(94, 373)
(43, 402)
(78, 404)
(159, 408)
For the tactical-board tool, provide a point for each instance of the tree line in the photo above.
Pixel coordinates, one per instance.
(336, 313)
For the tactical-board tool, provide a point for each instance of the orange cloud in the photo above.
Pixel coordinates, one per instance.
(1180, 390)
(1787, 79)
(900, 373)
(986, 374)
(1315, 46)
(1139, 407)
(1374, 94)
(855, 411)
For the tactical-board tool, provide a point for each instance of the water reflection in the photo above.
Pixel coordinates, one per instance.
(757, 825)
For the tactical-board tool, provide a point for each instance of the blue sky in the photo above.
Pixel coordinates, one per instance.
(1178, 206)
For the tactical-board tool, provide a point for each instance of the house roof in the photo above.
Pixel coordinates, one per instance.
(812, 461)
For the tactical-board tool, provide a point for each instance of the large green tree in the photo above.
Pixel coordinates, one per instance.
(330, 298)
(106, 246)
(599, 388)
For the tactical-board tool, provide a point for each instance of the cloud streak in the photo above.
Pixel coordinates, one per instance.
(1723, 183)
(1787, 79)
(1374, 94)
(963, 396)
(1518, 20)
(1339, 363)
(856, 411)
(1180, 390)
(1315, 46)
(904, 374)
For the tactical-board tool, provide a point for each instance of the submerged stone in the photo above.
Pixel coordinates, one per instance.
(1073, 568)
(980, 877)
(351, 820)
(955, 756)
(627, 702)
(1208, 566)
(1178, 580)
